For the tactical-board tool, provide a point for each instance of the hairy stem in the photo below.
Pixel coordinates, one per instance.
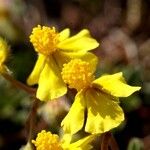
(19, 84)
(113, 143)
(108, 142)
(31, 121)
(105, 141)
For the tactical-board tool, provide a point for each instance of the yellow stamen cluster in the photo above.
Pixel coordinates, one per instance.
(44, 39)
(47, 141)
(77, 74)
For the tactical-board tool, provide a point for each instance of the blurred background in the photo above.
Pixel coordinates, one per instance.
(123, 29)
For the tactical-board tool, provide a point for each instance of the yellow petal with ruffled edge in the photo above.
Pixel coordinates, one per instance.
(103, 114)
(63, 58)
(35, 74)
(79, 42)
(50, 85)
(82, 144)
(64, 34)
(115, 85)
(74, 120)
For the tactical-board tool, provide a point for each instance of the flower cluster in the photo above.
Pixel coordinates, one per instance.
(64, 62)
(55, 49)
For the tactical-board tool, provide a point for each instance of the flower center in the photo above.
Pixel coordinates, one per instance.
(47, 141)
(44, 39)
(77, 74)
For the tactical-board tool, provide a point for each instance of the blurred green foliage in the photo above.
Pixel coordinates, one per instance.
(135, 144)
(14, 103)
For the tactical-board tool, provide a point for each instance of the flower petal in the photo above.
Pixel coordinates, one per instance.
(51, 85)
(64, 34)
(4, 51)
(74, 120)
(115, 85)
(60, 59)
(91, 59)
(63, 58)
(35, 74)
(104, 114)
(79, 42)
(82, 144)
(66, 139)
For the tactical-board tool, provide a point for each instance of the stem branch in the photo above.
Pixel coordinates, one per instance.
(19, 84)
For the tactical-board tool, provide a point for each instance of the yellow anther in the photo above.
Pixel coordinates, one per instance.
(77, 74)
(47, 141)
(44, 39)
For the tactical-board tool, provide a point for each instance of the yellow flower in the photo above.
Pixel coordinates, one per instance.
(97, 97)
(4, 52)
(48, 141)
(54, 49)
